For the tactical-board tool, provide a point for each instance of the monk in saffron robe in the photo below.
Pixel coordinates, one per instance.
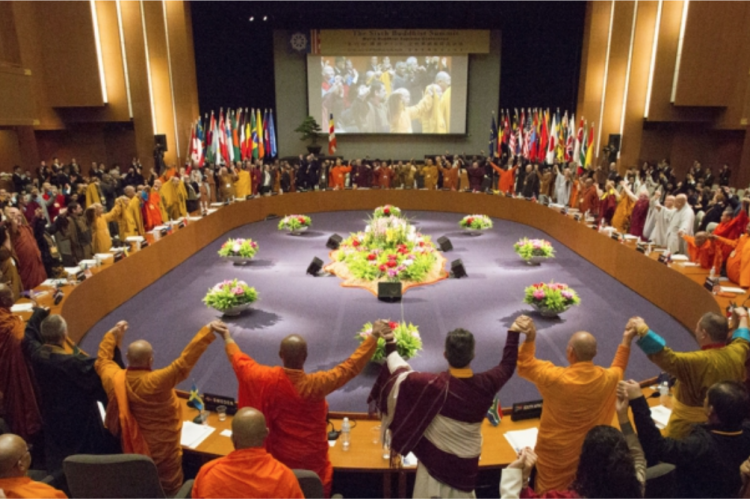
(623, 211)
(293, 401)
(174, 195)
(131, 224)
(15, 461)
(430, 172)
(248, 471)
(576, 398)
(383, 176)
(640, 212)
(450, 175)
(608, 203)
(439, 416)
(589, 198)
(97, 220)
(243, 186)
(505, 182)
(738, 262)
(8, 266)
(30, 266)
(155, 212)
(697, 371)
(338, 175)
(93, 193)
(143, 407)
(731, 227)
(20, 407)
(704, 251)
(575, 189)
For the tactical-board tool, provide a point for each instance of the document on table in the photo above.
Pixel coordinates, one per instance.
(226, 433)
(728, 289)
(679, 258)
(660, 415)
(22, 307)
(522, 438)
(194, 434)
(690, 264)
(72, 270)
(54, 282)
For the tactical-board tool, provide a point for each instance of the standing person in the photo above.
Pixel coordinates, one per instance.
(133, 216)
(562, 185)
(97, 220)
(293, 401)
(175, 197)
(30, 266)
(430, 172)
(362, 175)
(476, 177)
(589, 198)
(73, 236)
(724, 175)
(658, 219)
(243, 186)
(338, 174)
(530, 185)
(144, 410)
(738, 261)
(576, 398)
(450, 174)
(384, 175)
(697, 371)
(439, 416)
(682, 221)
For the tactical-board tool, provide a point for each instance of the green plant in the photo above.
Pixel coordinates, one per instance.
(476, 222)
(529, 248)
(554, 297)
(387, 211)
(245, 248)
(294, 222)
(408, 340)
(309, 129)
(228, 294)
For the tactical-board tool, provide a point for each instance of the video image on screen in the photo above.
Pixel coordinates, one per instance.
(389, 94)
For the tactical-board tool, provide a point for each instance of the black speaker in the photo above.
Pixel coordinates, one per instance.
(334, 241)
(389, 291)
(161, 139)
(445, 244)
(315, 266)
(458, 270)
(614, 141)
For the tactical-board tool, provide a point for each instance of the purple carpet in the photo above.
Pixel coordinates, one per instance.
(170, 312)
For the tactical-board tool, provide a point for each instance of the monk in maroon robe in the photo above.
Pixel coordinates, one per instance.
(30, 265)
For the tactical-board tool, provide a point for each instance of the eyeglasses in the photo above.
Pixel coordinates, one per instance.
(29, 448)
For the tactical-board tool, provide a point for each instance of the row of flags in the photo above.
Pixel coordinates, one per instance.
(543, 137)
(242, 134)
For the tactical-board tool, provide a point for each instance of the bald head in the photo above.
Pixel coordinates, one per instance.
(581, 347)
(669, 202)
(6, 296)
(680, 201)
(140, 354)
(14, 460)
(129, 191)
(293, 351)
(248, 428)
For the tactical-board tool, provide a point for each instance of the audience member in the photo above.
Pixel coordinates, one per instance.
(30, 265)
(15, 462)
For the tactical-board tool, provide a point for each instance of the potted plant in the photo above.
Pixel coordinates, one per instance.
(475, 224)
(408, 340)
(387, 211)
(295, 224)
(310, 130)
(534, 251)
(551, 299)
(231, 297)
(239, 251)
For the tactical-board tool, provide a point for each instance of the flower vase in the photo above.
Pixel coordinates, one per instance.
(473, 232)
(297, 232)
(546, 312)
(535, 260)
(236, 310)
(238, 261)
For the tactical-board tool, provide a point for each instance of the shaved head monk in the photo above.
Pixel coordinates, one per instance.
(576, 398)
(15, 460)
(143, 407)
(293, 401)
(250, 471)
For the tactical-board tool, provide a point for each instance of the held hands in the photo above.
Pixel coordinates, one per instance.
(622, 403)
(525, 462)
(524, 325)
(381, 329)
(630, 389)
(637, 324)
(220, 329)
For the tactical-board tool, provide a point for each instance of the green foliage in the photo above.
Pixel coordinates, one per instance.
(476, 222)
(309, 129)
(228, 294)
(245, 248)
(408, 340)
(529, 248)
(294, 222)
(552, 296)
(387, 211)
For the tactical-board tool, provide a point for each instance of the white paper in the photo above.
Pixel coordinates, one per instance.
(194, 434)
(607, 229)
(226, 433)
(87, 263)
(22, 307)
(660, 415)
(72, 270)
(690, 264)
(556, 206)
(217, 205)
(723, 279)
(522, 438)
(679, 258)
(104, 256)
(53, 283)
(409, 460)
(209, 211)
(135, 239)
(630, 237)
(159, 228)
(194, 219)
(727, 289)
(331, 443)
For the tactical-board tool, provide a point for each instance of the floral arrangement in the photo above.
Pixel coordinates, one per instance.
(390, 249)
(245, 248)
(529, 248)
(228, 294)
(387, 211)
(476, 222)
(408, 340)
(295, 222)
(554, 297)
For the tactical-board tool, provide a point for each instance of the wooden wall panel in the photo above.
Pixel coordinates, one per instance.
(69, 54)
(712, 42)
(596, 32)
(10, 150)
(10, 53)
(16, 97)
(737, 113)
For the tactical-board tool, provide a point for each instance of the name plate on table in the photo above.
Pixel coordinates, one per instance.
(615, 236)
(711, 283)
(249, 196)
(144, 243)
(664, 259)
(640, 248)
(164, 232)
(118, 256)
(526, 410)
(181, 224)
(214, 401)
(577, 217)
(81, 276)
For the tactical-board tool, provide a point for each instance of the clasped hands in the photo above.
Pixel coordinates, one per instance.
(524, 325)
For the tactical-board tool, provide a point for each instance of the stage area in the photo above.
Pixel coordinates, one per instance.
(169, 312)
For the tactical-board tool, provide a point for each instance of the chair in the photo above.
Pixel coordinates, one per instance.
(115, 475)
(310, 483)
(698, 220)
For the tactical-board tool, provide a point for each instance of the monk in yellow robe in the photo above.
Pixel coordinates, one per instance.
(248, 471)
(226, 184)
(576, 398)
(430, 172)
(97, 220)
(443, 80)
(15, 461)
(293, 401)
(738, 262)
(143, 408)
(8, 266)
(721, 358)
(402, 114)
(243, 186)
(131, 223)
(174, 195)
(93, 192)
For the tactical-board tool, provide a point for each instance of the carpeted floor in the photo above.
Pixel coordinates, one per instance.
(170, 312)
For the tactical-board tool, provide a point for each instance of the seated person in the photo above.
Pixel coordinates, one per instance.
(15, 460)
(704, 250)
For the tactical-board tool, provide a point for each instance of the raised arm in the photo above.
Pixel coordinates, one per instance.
(539, 372)
(105, 365)
(627, 191)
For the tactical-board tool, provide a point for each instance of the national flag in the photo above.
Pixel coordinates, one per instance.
(578, 144)
(570, 139)
(495, 413)
(493, 142)
(562, 138)
(331, 136)
(196, 151)
(210, 151)
(506, 128)
(543, 138)
(254, 132)
(266, 144)
(512, 139)
(194, 400)
(500, 132)
(533, 139)
(248, 136)
(581, 159)
(221, 153)
(236, 135)
(590, 148)
(552, 144)
(272, 133)
(259, 132)
(230, 147)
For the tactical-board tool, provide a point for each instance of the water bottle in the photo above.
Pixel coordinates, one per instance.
(664, 392)
(712, 274)
(345, 435)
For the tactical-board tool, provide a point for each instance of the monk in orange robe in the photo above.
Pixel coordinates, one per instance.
(738, 263)
(143, 408)
(450, 175)
(30, 265)
(155, 212)
(15, 460)
(338, 174)
(250, 471)
(383, 176)
(589, 198)
(731, 227)
(505, 183)
(576, 398)
(574, 190)
(704, 251)
(16, 379)
(294, 402)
